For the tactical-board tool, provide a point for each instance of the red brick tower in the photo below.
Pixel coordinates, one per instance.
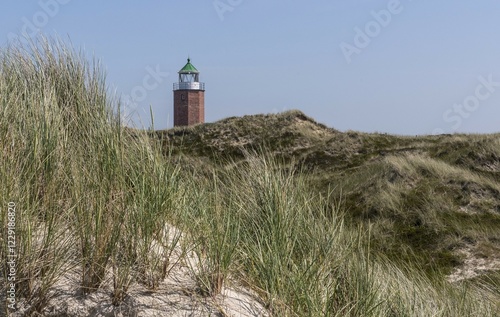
(189, 97)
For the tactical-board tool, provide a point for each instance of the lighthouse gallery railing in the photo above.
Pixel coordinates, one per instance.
(189, 86)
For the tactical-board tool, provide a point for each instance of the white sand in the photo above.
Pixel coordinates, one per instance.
(177, 295)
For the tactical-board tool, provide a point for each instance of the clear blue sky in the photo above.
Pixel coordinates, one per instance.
(404, 67)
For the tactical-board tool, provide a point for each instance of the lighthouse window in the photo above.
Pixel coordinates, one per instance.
(183, 97)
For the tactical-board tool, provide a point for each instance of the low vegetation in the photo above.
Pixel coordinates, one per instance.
(314, 221)
(427, 199)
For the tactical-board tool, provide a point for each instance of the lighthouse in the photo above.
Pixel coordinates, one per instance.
(189, 97)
